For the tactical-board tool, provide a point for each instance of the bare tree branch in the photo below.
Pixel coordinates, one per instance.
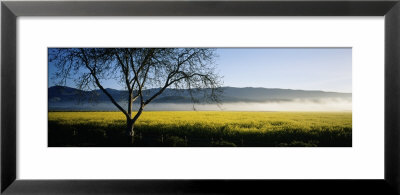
(139, 69)
(93, 73)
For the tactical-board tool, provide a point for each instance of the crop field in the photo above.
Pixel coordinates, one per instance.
(202, 129)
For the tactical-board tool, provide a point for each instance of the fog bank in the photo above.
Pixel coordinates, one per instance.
(328, 104)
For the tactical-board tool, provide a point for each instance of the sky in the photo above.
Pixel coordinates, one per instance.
(326, 69)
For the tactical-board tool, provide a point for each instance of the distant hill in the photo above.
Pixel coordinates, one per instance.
(62, 97)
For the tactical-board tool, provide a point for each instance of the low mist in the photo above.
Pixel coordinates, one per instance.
(327, 104)
(294, 105)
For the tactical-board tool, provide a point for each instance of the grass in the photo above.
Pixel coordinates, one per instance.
(203, 128)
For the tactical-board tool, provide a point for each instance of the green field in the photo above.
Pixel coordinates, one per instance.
(203, 128)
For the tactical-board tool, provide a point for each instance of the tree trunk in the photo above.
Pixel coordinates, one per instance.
(130, 123)
(130, 130)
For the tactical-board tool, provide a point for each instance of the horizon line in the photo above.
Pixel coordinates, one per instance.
(221, 87)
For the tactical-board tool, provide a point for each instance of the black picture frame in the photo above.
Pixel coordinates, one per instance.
(10, 10)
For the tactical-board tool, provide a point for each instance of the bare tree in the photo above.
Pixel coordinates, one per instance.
(138, 69)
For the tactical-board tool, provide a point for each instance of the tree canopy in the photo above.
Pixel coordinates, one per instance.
(137, 69)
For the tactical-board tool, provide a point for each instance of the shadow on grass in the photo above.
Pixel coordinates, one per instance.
(92, 135)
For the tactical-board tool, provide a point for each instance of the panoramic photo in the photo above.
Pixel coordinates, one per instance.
(199, 97)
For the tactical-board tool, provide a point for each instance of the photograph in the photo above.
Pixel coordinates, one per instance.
(200, 97)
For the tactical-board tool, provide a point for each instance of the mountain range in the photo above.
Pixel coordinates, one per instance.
(229, 94)
(62, 97)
